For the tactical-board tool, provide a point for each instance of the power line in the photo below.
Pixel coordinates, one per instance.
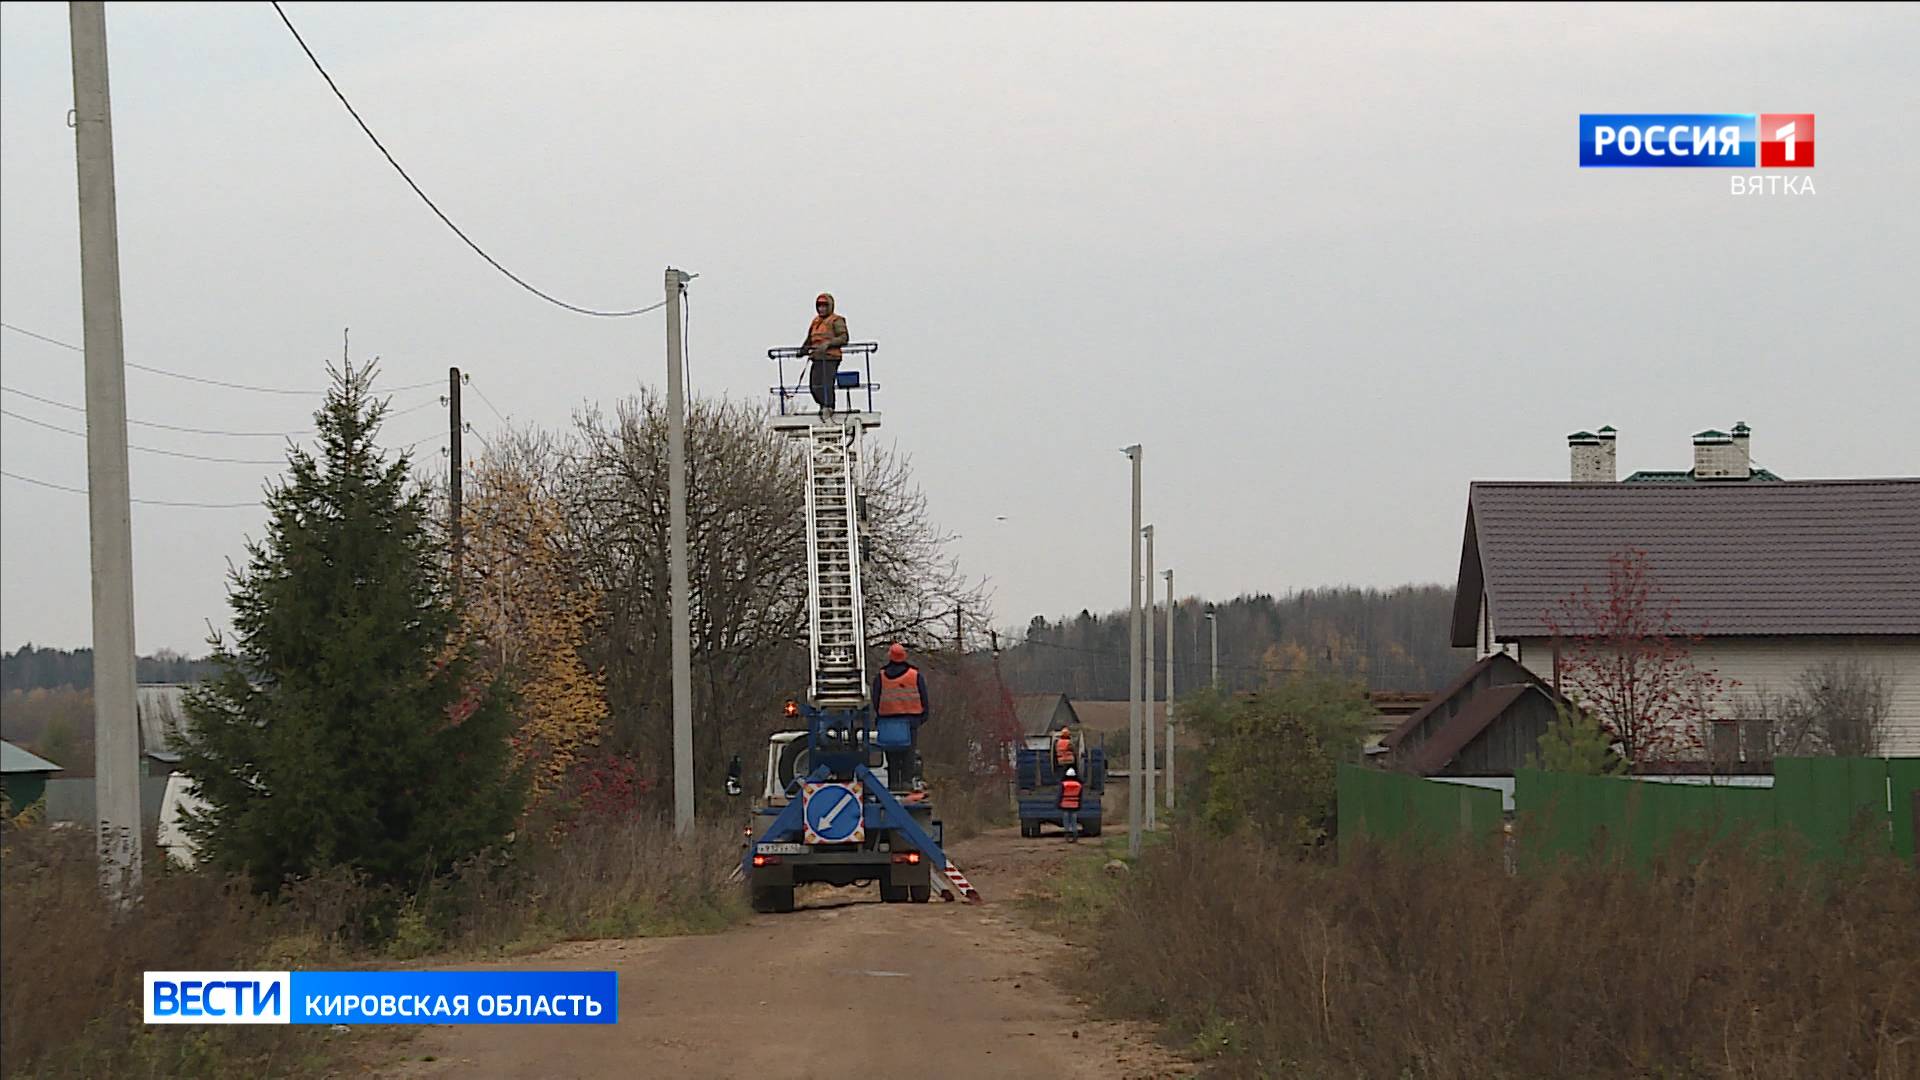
(143, 502)
(165, 427)
(200, 379)
(145, 449)
(43, 337)
(484, 398)
(162, 371)
(457, 231)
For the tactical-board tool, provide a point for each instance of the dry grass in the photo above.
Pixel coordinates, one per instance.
(966, 812)
(71, 1003)
(1714, 964)
(631, 878)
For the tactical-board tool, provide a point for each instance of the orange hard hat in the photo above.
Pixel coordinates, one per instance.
(897, 653)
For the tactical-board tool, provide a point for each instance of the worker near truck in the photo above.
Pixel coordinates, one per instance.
(825, 335)
(1070, 805)
(899, 690)
(1063, 749)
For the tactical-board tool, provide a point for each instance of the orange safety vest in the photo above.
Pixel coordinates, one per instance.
(1063, 750)
(901, 696)
(821, 332)
(1069, 794)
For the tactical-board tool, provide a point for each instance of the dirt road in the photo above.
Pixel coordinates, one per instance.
(931, 990)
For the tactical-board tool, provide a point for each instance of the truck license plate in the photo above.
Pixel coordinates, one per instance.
(779, 849)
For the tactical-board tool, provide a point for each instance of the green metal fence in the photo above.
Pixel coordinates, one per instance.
(1903, 784)
(1397, 807)
(1821, 807)
(1560, 814)
(1824, 808)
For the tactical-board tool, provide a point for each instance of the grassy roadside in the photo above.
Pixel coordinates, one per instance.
(632, 879)
(1414, 965)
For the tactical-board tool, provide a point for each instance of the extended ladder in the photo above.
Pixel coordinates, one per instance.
(835, 615)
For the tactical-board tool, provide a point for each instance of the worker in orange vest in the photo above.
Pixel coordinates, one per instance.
(1070, 806)
(825, 335)
(899, 690)
(1063, 749)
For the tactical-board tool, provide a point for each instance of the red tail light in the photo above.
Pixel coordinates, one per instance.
(792, 709)
(766, 860)
(911, 857)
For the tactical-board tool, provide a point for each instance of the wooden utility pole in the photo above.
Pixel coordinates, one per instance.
(454, 527)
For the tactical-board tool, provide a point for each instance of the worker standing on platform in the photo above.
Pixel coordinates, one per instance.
(825, 335)
(1063, 749)
(1070, 806)
(900, 691)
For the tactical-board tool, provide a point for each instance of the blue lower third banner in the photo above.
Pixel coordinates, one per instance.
(382, 997)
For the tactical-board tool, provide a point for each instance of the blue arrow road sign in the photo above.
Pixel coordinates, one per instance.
(833, 813)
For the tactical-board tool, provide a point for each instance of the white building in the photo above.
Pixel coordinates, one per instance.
(1774, 577)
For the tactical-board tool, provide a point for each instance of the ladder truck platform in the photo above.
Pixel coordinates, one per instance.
(830, 812)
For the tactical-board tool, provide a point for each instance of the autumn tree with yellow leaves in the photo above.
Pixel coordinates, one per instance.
(529, 614)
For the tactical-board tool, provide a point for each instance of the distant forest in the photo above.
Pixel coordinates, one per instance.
(1395, 639)
(29, 668)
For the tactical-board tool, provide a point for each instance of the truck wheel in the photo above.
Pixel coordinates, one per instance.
(920, 894)
(1029, 829)
(1090, 828)
(773, 899)
(893, 894)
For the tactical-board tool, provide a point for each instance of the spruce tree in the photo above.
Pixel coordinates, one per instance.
(345, 725)
(1575, 742)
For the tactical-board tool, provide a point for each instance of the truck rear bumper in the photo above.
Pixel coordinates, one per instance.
(839, 868)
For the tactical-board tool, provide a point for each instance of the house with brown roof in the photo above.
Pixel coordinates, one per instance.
(1044, 714)
(1773, 576)
(1487, 723)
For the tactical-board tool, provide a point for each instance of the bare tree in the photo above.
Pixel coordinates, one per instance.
(747, 555)
(1764, 725)
(1847, 702)
(1836, 707)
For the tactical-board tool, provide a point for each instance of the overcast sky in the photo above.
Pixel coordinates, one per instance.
(1328, 264)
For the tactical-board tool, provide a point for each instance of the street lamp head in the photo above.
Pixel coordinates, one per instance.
(1146, 531)
(1168, 574)
(1131, 451)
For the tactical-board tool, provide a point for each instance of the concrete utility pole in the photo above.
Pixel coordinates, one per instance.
(1169, 576)
(455, 529)
(1147, 676)
(1134, 735)
(1213, 629)
(676, 284)
(116, 720)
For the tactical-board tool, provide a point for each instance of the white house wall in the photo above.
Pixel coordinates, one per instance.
(1775, 664)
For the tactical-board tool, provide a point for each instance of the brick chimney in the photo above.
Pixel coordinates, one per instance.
(1592, 456)
(1720, 456)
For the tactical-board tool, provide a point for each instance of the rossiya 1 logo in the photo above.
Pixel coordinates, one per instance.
(1782, 141)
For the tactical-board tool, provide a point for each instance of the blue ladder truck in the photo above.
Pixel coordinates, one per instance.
(1037, 778)
(831, 813)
